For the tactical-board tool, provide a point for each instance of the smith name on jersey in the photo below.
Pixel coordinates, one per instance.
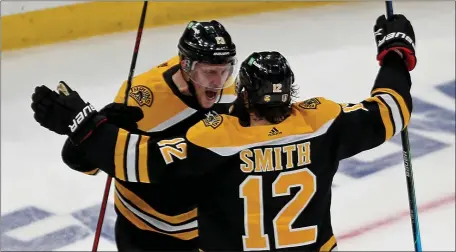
(165, 208)
(263, 187)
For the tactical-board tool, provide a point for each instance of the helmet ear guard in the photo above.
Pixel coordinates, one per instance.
(185, 63)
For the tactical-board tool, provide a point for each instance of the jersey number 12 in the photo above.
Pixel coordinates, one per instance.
(284, 236)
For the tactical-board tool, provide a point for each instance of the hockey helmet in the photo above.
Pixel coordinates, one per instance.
(207, 54)
(267, 78)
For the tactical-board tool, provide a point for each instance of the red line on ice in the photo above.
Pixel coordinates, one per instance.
(392, 219)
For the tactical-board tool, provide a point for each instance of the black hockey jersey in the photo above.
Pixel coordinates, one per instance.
(164, 208)
(265, 187)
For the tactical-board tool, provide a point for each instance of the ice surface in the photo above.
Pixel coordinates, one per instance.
(46, 206)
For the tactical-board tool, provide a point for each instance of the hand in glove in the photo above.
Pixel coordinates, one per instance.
(123, 116)
(65, 112)
(395, 35)
(118, 114)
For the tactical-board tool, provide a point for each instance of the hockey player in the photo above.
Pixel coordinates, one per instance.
(172, 97)
(264, 182)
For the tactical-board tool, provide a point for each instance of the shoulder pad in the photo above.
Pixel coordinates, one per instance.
(317, 110)
(159, 104)
(202, 132)
(147, 83)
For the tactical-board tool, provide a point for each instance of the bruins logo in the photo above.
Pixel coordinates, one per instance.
(142, 95)
(310, 103)
(213, 120)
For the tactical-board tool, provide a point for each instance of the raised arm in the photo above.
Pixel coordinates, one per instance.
(375, 120)
(127, 156)
(139, 158)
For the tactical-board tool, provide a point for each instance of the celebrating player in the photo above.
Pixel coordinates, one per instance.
(171, 97)
(264, 178)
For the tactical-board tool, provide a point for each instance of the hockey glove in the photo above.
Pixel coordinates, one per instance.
(65, 112)
(396, 35)
(123, 116)
(118, 114)
(74, 157)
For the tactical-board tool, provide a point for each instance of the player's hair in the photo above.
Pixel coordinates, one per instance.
(275, 114)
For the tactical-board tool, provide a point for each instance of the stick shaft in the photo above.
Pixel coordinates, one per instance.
(408, 167)
(127, 90)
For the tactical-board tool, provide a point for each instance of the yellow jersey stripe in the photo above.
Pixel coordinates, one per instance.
(329, 244)
(119, 154)
(403, 106)
(141, 204)
(384, 113)
(188, 235)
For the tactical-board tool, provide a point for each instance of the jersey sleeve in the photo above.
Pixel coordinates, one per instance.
(377, 119)
(144, 159)
(74, 157)
(121, 94)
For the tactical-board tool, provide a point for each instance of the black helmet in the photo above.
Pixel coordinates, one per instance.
(267, 78)
(206, 42)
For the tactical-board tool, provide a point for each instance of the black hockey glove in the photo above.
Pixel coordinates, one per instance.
(125, 117)
(397, 35)
(65, 112)
(74, 157)
(118, 114)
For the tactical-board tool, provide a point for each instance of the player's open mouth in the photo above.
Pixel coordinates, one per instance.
(211, 94)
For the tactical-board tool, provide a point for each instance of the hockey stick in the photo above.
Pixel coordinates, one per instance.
(408, 168)
(127, 89)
